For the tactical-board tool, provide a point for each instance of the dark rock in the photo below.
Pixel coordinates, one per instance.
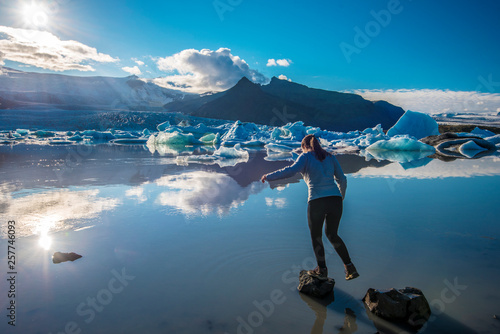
(314, 286)
(447, 145)
(404, 305)
(59, 257)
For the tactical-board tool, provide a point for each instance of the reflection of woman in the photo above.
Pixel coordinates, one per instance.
(319, 168)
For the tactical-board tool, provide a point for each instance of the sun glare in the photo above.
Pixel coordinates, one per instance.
(35, 15)
(45, 241)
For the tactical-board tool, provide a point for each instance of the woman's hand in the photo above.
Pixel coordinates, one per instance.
(263, 179)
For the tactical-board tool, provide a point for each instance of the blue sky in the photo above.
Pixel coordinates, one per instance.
(415, 44)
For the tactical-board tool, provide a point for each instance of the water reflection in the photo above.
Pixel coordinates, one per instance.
(46, 212)
(319, 306)
(202, 192)
(435, 168)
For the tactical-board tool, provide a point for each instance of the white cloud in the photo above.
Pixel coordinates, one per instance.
(132, 70)
(138, 193)
(434, 101)
(278, 62)
(139, 62)
(205, 70)
(202, 193)
(45, 50)
(284, 77)
(271, 62)
(279, 202)
(52, 211)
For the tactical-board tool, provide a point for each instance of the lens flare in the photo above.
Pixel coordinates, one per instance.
(34, 14)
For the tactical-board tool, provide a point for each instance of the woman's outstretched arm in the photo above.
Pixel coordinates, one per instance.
(289, 171)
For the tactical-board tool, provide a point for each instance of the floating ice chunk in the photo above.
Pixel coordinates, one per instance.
(400, 143)
(295, 131)
(291, 143)
(278, 156)
(99, 135)
(273, 147)
(482, 133)
(124, 134)
(377, 130)
(493, 139)
(44, 134)
(76, 138)
(414, 124)
(174, 138)
(252, 143)
(163, 126)
(231, 152)
(210, 138)
(23, 132)
(276, 133)
(236, 132)
(146, 133)
(470, 149)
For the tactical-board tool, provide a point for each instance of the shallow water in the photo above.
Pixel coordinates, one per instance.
(204, 249)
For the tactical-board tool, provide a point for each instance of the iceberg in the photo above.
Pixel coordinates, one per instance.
(295, 131)
(415, 124)
(210, 138)
(98, 135)
(44, 134)
(174, 138)
(231, 152)
(163, 126)
(482, 133)
(237, 132)
(23, 132)
(493, 139)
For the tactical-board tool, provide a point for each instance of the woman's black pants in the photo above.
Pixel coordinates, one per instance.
(327, 209)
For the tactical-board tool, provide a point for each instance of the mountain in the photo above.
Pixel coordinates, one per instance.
(281, 101)
(20, 89)
(276, 103)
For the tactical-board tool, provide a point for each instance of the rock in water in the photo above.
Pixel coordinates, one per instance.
(314, 286)
(404, 305)
(59, 257)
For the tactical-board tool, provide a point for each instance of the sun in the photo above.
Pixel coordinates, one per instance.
(35, 15)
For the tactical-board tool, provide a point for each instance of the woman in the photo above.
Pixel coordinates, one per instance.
(318, 168)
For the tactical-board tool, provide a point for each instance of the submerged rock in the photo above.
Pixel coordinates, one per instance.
(404, 305)
(59, 257)
(314, 286)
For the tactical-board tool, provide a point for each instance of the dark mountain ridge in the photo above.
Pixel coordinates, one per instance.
(280, 102)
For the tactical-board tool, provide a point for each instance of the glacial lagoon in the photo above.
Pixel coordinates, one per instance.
(173, 247)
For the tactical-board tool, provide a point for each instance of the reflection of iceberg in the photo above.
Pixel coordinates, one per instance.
(400, 149)
(397, 156)
(223, 156)
(53, 211)
(436, 168)
(203, 192)
(471, 149)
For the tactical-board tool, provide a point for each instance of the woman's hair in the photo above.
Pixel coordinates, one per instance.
(311, 143)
